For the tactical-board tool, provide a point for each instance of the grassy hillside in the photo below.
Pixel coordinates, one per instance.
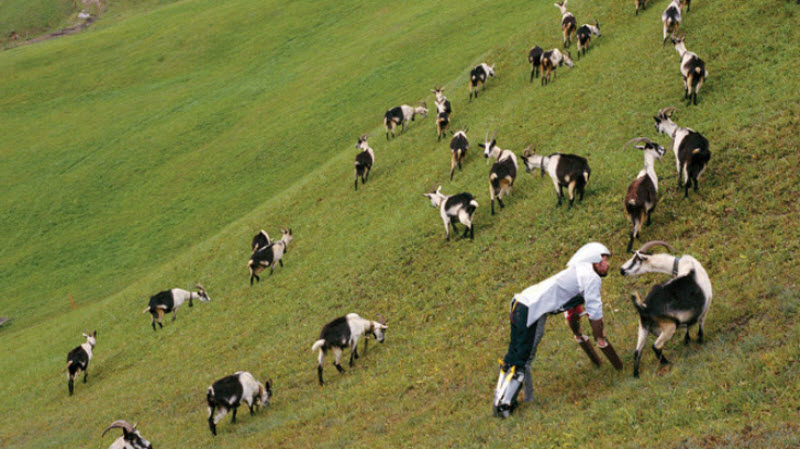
(144, 153)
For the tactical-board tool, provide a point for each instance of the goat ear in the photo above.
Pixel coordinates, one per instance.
(94, 334)
(482, 145)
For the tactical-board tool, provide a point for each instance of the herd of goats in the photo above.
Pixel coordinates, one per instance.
(682, 301)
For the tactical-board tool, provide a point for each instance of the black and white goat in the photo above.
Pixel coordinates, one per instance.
(169, 301)
(503, 172)
(693, 70)
(568, 23)
(478, 76)
(671, 18)
(401, 115)
(364, 160)
(130, 439)
(439, 93)
(535, 59)
(459, 207)
(267, 256)
(78, 360)
(640, 4)
(566, 170)
(690, 147)
(442, 119)
(682, 301)
(345, 332)
(551, 60)
(260, 240)
(228, 393)
(642, 195)
(459, 146)
(585, 33)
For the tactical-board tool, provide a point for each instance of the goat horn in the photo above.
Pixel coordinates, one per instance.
(199, 286)
(381, 319)
(637, 140)
(120, 423)
(527, 151)
(653, 243)
(667, 110)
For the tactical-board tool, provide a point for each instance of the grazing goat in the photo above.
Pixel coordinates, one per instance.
(401, 115)
(130, 439)
(228, 393)
(693, 70)
(260, 240)
(267, 257)
(364, 160)
(551, 60)
(566, 170)
(459, 207)
(680, 302)
(642, 195)
(503, 172)
(568, 23)
(690, 147)
(442, 119)
(458, 150)
(585, 33)
(640, 4)
(78, 360)
(169, 301)
(671, 18)
(478, 76)
(535, 59)
(343, 332)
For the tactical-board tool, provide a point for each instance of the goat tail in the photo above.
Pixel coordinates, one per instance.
(636, 298)
(319, 344)
(472, 206)
(210, 396)
(146, 310)
(586, 174)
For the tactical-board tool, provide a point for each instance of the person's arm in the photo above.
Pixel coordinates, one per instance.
(598, 332)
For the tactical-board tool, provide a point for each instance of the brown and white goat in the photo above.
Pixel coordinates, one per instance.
(585, 33)
(691, 149)
(551, 60)
(642, 196)
(478, 76)
(682, 301)
(503, 172)
(671, 18)
(693, 70)
(568, 23)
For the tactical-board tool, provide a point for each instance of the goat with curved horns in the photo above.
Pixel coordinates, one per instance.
(682, 301)
(130, 439)
(642, 195)
(690, 147)
(169, 301)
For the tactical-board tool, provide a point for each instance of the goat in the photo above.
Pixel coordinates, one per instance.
(459, 207)
(682, 301)
(130, 439)
(551, 60)
(364, 160)
(260, 240)
(267, 256)
(169, 301)
(228, 393)
(458, 150)
(688, 4)
(690, 147)
(640, 4)
(642, 195)
(671, 18)
(535, 59)
(442, 119)
(401, 115)
(568, 23)
(78, 360)
(503, 172)
(343, 332)
(566, 170)
(693, 70)
(478, 76)
(585, 33)
(439, 93)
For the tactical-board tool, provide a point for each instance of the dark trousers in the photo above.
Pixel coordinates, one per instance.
(524, 339)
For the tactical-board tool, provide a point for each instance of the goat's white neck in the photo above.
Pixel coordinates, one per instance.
(666, 263)
(649, 167)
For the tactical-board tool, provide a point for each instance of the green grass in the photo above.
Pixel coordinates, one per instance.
(144, 153)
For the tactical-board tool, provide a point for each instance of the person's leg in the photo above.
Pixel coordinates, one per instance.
(537, 337)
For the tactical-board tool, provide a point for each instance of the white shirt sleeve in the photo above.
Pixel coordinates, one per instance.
(590, 283)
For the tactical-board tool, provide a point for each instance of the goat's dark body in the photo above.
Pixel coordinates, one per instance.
(535, 59)
(641, 192)
(77, 360)
(696, 69)
(163, 299)
(336, 333)
(259, 241)
(227, 393)
(694, 151)
(568, 25)
(584, 36)
(503, 171)
(394, 115)
(363, 166)
(572, 168)
(477, 76)
(458, 149)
